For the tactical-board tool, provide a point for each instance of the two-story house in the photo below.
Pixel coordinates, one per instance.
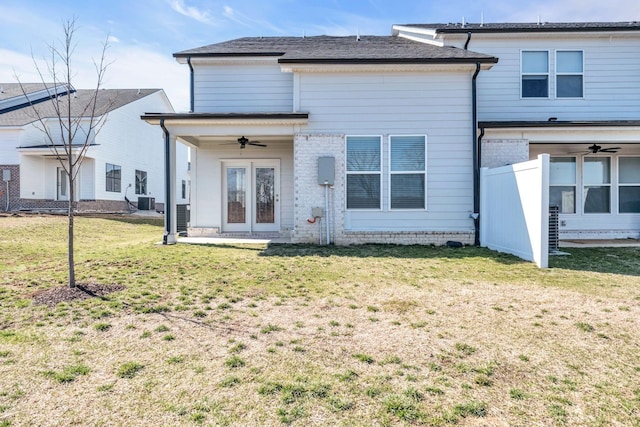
(380, 138)
(123, 159)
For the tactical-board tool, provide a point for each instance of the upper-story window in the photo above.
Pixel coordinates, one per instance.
(535, 74)
(569, 73)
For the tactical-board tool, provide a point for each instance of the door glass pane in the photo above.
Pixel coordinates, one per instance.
(62, 183)
(265, 206)
(236, 195)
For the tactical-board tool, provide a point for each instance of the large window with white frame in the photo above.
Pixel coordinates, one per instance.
(629, 184)
(534, 69)
(364, 172)
(569, 74)
(597, 185)
(407, 172)
(141, 182)
(562, 184)
(113, 177)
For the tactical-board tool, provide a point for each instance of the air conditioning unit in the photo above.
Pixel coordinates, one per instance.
(554, 229)
(146, 203)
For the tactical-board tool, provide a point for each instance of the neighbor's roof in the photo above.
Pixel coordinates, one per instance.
(12, 90)
(108, 100)
(530, 27)
(339, 50)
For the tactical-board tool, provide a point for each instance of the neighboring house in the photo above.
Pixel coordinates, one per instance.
(124, 158)
(387, 134)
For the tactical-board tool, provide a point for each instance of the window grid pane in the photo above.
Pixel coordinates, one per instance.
(407, 191)
(363, 191)
(407, 153)
(363, 153)
(569, 62)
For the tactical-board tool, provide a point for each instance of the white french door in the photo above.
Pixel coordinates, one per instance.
(251, 196)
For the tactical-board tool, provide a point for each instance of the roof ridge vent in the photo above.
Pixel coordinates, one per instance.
(358, 35)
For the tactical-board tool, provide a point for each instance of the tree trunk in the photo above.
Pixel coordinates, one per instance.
(72, 198)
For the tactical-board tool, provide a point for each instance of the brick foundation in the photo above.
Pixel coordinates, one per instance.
(81, 206)
(14, 188)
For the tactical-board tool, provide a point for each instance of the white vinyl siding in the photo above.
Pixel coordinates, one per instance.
(611, 81)
(403, 103)
(242, 89)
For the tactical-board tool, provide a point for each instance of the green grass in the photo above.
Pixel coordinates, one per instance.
(308, 335)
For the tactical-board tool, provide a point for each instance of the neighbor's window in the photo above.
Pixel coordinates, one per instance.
(597, 185)
(629, 184)
(535, 74)
(363, 172)
(113, 177)
(569, 74)
(407, 172)
(141, 182)
(184, 189)
(562, 184)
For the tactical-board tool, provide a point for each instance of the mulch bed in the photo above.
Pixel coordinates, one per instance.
(53, 296)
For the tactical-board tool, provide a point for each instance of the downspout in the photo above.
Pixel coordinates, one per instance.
(476, 156)
(191, 85)
(167, 182)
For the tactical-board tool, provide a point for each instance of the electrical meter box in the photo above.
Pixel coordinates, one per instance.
(326, 170)
(6, 174)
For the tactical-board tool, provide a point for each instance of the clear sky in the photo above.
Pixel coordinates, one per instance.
(143, 34)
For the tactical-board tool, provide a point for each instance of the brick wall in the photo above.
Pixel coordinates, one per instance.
(14, 188)
(501, 152)
(82, 206)
(309, 194)
(307, 148)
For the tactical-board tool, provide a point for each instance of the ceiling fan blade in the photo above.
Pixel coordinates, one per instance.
(610, 150)
(257, 144)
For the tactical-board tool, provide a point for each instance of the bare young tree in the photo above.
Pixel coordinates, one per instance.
(76, 121)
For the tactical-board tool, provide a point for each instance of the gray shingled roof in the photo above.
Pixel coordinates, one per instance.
(530, 27)
(338, 50)
(12, 90)
(108, 100)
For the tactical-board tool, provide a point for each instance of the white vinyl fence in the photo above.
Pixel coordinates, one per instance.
(514, 209)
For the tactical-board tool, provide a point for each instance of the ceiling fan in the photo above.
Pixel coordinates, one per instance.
(245, 141)
(595, 148)
(598, 149)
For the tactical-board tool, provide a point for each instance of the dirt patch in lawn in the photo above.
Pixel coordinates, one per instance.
(53, 296)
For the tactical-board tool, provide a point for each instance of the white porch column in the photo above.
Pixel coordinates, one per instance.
(170, 223)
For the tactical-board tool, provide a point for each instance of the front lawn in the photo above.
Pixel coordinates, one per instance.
(311, 336)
